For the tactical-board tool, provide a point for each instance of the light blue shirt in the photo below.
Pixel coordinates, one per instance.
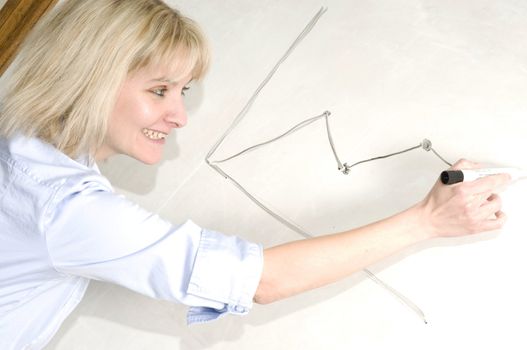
(61, 224)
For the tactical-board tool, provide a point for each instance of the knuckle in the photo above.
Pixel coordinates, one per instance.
(473, 223)
(459, 164)
(466, 209)
(462, 162)
(461, 192)
(496, 203)
(465, 163)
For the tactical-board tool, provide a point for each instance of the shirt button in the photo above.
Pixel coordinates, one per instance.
(239, 308)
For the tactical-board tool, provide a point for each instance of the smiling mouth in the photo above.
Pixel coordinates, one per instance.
(154, 135)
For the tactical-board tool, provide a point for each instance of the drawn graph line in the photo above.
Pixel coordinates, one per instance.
(343, 167)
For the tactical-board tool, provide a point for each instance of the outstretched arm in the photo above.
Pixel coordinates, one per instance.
(456, 210)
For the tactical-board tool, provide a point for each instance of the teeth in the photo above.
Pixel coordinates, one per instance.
(154, 135)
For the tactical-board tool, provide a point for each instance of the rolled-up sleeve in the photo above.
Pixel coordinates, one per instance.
(226, 269)
(97, 234)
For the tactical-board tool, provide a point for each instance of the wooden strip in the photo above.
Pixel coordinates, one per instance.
(17, 18)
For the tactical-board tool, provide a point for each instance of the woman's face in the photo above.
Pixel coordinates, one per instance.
(148, 107)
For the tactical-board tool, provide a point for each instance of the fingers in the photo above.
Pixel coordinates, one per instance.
(494, 224)
(465, 164)
(467, 207)
(491, 207)
(491, 183)
(501, 217)
(485, 184)
(488, 216)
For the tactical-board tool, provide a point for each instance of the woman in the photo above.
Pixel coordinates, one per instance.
(106, 77)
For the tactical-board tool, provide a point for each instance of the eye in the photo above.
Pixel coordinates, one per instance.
(160, 91)
(185, 88)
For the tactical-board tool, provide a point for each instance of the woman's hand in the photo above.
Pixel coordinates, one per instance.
(466, 207)
(448, 210)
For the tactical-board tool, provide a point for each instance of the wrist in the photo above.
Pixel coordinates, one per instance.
(421, 225)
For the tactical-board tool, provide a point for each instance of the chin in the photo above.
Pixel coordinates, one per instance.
(148, 159)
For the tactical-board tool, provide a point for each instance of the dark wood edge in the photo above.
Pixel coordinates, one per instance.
(17, 18)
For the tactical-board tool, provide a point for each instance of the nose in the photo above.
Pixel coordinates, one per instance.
(177, 115)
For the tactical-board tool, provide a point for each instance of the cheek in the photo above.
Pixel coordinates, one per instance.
(133, 111)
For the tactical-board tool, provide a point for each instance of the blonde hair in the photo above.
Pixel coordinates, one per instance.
(69, 71)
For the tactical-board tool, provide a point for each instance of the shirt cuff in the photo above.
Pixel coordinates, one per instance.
(227, 270)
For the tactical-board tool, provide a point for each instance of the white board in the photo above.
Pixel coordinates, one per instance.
(391, 73)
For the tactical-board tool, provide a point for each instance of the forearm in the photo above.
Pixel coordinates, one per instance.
(302, 265)
(446, 211)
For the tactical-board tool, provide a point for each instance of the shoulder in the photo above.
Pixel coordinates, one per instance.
(32, 160)
(36, 180)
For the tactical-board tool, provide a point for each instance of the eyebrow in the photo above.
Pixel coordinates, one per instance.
(168, 81)
(164, 80)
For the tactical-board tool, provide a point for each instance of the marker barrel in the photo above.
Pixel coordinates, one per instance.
(449, 177)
